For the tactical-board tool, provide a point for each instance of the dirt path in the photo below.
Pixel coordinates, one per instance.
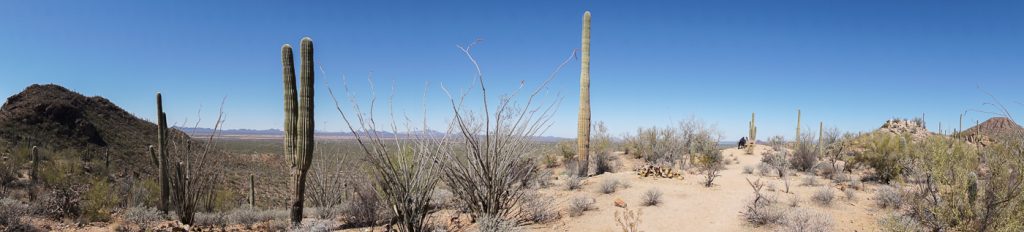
(689, 206)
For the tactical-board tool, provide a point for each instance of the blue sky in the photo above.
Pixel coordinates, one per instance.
(851, 64)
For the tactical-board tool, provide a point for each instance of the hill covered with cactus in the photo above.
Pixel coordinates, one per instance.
(58, 119)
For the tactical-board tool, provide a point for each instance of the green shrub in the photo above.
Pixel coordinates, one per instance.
(886, 154)
(100, 201)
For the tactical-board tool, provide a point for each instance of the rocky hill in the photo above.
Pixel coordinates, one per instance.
(58, 119)
(992, 130)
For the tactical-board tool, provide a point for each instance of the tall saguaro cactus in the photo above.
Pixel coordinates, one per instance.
(752, 136)
(583, 135)
(797, 138)
(298, 122)
(35, 165)
(161, 135)
(821, 138)
(252, 191)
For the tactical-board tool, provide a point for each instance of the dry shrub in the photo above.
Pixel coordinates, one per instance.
(888, 197)
(748, 169)
(805, 155)
(802, 220)
(652, 197)
(628, 220)
(573, 182)
(604, 162)
(900, 223)
(363, 208)
(538, 208)
(495, 224)
(824, 196)
(139, 218)
(761, 210)
(580, 204)
(11, 215)
(609, 186)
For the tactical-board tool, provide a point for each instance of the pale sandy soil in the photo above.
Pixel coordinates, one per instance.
(689, 206)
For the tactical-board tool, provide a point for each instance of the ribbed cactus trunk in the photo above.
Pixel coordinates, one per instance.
(583, 126)
(797, 139)
(35, 165)
(252, 191)
(821, 136)
(298, 122)
(752, 135)
(161, 134)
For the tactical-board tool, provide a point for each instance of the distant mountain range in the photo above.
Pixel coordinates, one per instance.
(277, 133)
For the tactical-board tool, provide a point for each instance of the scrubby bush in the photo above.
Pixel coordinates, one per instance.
(709, 161)
(609, 186)
(211, 220)
(538, 208)
(748, 169)
(900, 223)
(11, 213)
(628, 220)
(652, 197)
(363, 208)
(851, 195)
(824, 196)
(604, 162)
(567, 149)
(63, 201)
(495, 224)
(886, 154)
(805, 221)
(805, 154)
(573, 182)
(243, 216)
(139, 218)
(810, 180)
(888, 197)
(794, 201)
(761, 210)
(99, 201)
(580, 204)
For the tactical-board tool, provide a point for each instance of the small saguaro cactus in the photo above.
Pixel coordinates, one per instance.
(252, 191)
(35, 165)
(583, 126)
(821, 136)
(298, 122)
(161, 134)
(752, 135)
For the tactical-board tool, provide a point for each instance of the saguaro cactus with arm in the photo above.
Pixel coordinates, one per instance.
(298, 122)
(583, 136)
(161, 135)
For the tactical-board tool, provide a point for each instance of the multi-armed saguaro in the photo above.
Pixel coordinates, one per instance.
(298, 122)
(583, 135)
(161, 158)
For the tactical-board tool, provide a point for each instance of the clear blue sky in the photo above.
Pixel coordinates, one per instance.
(851, 64)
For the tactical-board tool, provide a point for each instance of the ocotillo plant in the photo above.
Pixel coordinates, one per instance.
(583, 135)
(161, 135)
(298, 122)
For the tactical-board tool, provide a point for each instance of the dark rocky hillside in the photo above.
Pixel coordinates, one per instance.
(992, 130)
(58, 119)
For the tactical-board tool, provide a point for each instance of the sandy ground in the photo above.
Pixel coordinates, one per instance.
(689, 206)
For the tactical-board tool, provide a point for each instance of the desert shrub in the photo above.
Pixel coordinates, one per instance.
(824, 196)
(496, 224)
(609, 186)
(777, 143)
(567, 149)
(363, 208)
(805, 221)
(210, 220)
(841, 178)
(538, 208)
(850, 194)
(603, 163)
(550, 160)
(573, 182)
(805, 154)
(748, 169)
(63, 201)
(139, 218)
(628, 220)
(794, 201)
(327, 213)
(316, 226)
(542, 178)
(243, 216)
(765, 169)
(329, 176)
(11, 213)
(652, 197)
(900, 223)
(886, 154)
(888, 197)
(825, 170)
(99, 201)
(138, 192)
(580, 204)
(709, 160)
(761, 210)
(277, 225)
(625, 184)
(810, 180)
